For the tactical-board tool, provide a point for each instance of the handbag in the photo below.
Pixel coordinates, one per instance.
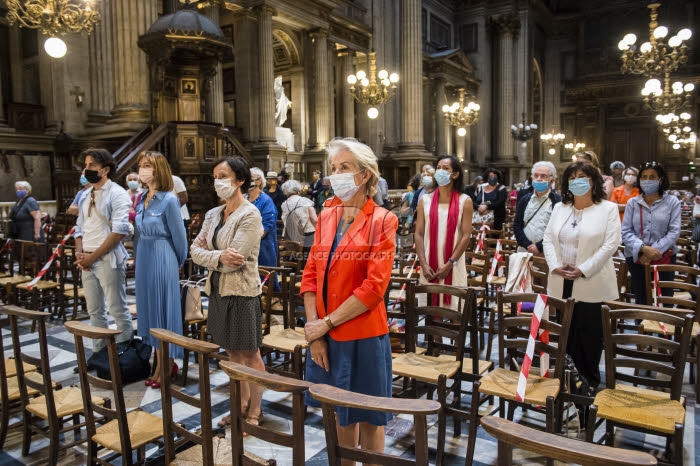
(134, 361)
(696, 231)
(485, 218)
(191, 299)
(666, 257)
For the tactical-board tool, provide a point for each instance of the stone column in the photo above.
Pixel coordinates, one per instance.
(322, 110)
(332, 52)
(131, 18)
(246, 74)
(215, 97)
(411, 83)
(16, 64)
(101, 69)
(348, 128)
(3, 121)
(267, 75)
(440, 125)
(507, 27)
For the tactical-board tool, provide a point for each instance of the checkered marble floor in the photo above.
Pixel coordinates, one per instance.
(277, 409)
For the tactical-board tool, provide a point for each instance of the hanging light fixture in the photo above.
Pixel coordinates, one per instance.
(523, 131)
(460, 115)
(669, 99)
(53, 18)
(658, 56)
(553, 140)
(574, 148)
(685, 142)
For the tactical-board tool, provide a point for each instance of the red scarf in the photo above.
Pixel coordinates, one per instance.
(452, 217)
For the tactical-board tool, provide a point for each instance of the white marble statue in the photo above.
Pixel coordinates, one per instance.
(283, 103)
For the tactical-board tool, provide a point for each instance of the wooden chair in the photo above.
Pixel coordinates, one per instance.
(204, 440)
(444, 331)
(395, 301)
(510, 434)
(330, 397)
(125, 431)
(513, 334)
(44, 294)
(240, 426)
(14, 260)
(539, 271)
(41, 402)
(478, 265)
(648, 361)
(192, 329)
(284, 345)
(72, 294)
(10, 397)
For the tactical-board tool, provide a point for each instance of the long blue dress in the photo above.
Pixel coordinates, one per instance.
(268, 244)
(161, 249)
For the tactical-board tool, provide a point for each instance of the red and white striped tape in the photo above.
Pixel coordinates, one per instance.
(537, 316)
(194, 219)
(403, 287)
(494, 262)
(657, 293)
(56, 253)
(480, 238)
(267, 277)
(6, 245)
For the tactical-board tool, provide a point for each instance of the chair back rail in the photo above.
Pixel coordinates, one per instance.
(511, 434)
(330, 397)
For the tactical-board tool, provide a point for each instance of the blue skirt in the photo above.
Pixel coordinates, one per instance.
(361, 366)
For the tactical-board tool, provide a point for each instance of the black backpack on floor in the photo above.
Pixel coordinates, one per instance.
(134, 361)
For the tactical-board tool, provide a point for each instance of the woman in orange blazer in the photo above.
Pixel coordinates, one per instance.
(343, 286)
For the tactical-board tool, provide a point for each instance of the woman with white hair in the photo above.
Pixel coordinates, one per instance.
(343, 286)
(299, 217)
(25, 216)
(263, 202)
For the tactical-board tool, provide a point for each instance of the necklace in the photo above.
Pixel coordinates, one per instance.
(577, 218)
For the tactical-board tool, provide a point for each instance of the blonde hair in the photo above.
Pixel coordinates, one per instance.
(366, 160)
(161, 169)
(590, 156)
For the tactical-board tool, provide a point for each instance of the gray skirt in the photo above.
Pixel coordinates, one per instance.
(234, 322)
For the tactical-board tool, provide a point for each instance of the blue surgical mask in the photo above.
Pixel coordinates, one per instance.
(83, 180)
(579, 186)
(649, 186)
(133, 184)
(21, 193)
(540, 186)
(427, 181)
(442, 177)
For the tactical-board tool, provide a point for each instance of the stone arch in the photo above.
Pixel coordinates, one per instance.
(286, 49)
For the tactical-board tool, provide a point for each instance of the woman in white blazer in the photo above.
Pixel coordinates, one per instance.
(581, 238)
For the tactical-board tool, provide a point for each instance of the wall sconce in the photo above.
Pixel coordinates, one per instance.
(79, 96)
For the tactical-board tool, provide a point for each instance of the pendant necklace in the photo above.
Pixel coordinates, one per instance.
(577, 218)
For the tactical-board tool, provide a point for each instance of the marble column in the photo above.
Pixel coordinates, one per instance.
(16, 65)
(440, 124)
(322, 108)
(507, 27)
(332, 53)
(348, 128)
(215, 97)
(246, 74)
(266, 95)
(131, 18)
(3, 121)
(411, 83)
(101, 69)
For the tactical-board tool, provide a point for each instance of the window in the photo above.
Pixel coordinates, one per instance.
(439, 33)
(468, 38)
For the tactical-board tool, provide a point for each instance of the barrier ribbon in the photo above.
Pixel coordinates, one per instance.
(6, 245)
(403, 287)
(657, 293)
(494, 262)
(265, 279)
(56, 253)
(537, 315)
(480, 238)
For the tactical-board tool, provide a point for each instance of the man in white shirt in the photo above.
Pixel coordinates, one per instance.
(180, 191)
(103, 222)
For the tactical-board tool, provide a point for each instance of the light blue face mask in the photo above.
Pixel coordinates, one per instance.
(579, 186)
(540, 186)
(442, 177)
(649, 186)
(83, 180)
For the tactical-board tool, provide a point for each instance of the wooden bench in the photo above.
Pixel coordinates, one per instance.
(510, 434)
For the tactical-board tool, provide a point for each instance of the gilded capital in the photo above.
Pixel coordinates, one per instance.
(505, 25)
(264, 10)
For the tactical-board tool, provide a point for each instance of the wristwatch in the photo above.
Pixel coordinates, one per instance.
(328, 322)
(452, 261)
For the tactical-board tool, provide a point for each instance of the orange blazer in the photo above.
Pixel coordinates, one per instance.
(361, 266)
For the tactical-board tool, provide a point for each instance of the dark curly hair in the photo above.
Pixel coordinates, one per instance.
(239, 167)
(495, 171)
(457, 183)
(415, 182)
(592, 172)
(103, 157)
(659, 169)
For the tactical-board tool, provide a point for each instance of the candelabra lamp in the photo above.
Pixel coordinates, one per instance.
(53, 18)
(373, 89)
(685, 142)
(553, 141)
(461, 114)
(669, 99)
(574, 148)
(658, 56)
(523, 132)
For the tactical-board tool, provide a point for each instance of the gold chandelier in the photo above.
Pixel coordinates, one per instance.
(553, 140)
(53, 18)
(671, 98)
(460, 115)
(658, 56)
(373, 89)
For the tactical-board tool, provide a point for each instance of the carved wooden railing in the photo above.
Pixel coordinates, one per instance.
(124, 150)
(232, 147)
(156, 140)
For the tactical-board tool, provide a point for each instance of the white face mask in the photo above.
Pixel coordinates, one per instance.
(631, 179)
(427, 181)
(224, 189)
(146, 175)
(344, 186)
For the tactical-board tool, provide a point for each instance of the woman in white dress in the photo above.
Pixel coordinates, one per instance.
(443, 228)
